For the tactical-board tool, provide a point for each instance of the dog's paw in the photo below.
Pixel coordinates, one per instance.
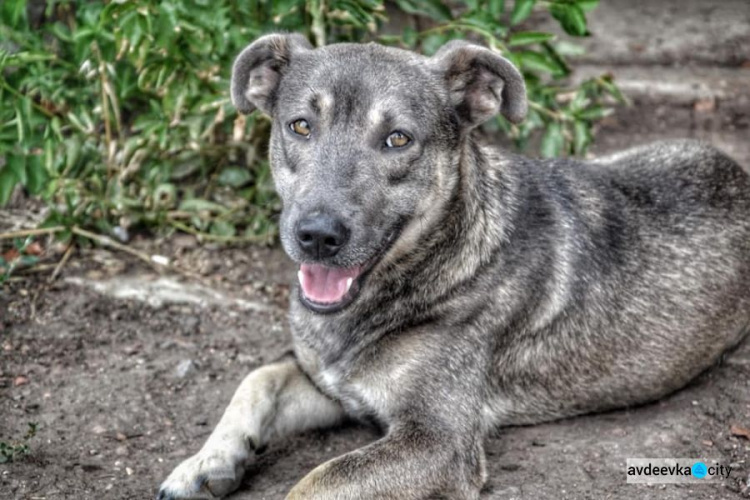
(203, 476)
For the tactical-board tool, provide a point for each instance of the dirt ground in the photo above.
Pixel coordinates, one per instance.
(123, 389)
(126, 373)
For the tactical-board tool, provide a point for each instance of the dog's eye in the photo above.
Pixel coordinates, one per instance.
(397, 140)
(300, 127)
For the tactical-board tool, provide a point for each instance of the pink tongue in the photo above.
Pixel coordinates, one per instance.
(325, 285)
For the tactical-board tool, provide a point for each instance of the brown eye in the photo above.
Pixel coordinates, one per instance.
(300, 127)
(397, 140)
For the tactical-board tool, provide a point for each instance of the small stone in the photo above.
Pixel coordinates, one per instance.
(190, 325)
(20, 380)
(121, 233)
(186, 368)
(132, 349)
(184, 241)
(247, 359)
(707, 105)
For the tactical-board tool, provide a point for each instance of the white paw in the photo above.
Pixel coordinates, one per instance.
(210, 474)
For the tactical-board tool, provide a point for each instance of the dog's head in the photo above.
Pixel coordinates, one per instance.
(365, 145)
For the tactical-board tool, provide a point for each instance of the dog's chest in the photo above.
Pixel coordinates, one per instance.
(362, 397)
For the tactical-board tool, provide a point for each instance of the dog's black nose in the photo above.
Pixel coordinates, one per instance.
(321, 235)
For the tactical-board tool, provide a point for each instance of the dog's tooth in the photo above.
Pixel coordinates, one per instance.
(349, 283)
(301, 277)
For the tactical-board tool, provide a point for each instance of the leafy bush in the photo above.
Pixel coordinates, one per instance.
(117, 114)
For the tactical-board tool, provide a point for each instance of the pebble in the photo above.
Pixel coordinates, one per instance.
(190, 325)
(186, 368)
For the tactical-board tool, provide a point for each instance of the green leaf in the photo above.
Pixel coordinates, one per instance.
(223, 228)
(496, 8)
(165, 195)
(8, 181)
(432, 42)
(528, 37)
(435, 9)
(594, 113)
(566, 48)
(14, 12)
(198, 205)
(556, 58)
(536, 61)
(17, 163)
(235, 177)
(571, 18)
(612, 89)
(521, 11)
(587, 5)
(410, 37)
(581, 137)
(36, 174)
(553, 141)
(28, 260)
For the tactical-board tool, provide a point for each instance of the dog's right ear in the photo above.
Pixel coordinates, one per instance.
(257, 71)
(481, 83)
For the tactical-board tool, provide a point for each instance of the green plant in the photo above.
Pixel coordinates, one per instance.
(117, 113)
(23, 253)
(14, 450)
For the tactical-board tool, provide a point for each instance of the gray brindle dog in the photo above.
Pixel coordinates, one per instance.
(447, 287)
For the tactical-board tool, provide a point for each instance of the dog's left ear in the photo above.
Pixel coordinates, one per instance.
(258, 69)
(481, 83)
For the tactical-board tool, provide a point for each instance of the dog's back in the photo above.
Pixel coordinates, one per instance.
(648, 279)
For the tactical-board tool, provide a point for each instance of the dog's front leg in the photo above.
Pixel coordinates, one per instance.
(274, 400)
(413, 461)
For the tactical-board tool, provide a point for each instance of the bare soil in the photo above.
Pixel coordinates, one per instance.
(123, 390)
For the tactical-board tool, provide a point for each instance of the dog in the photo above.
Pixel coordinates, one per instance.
(446, 287)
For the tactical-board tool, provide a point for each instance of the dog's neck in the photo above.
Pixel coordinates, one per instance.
(468, 223)
(466, 236)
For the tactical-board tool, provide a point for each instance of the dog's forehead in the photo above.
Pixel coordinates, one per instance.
(357, 76)
(365, 60)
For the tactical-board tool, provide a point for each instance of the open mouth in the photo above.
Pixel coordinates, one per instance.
(329, 289)
(325, 289)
